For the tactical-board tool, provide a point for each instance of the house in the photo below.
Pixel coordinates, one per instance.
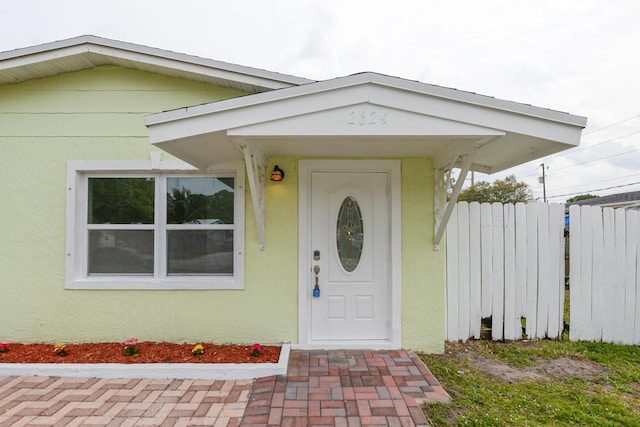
(629, 200)
(137, 198)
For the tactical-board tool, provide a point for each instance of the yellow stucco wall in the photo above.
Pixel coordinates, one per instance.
(97, 115)
(423, 269)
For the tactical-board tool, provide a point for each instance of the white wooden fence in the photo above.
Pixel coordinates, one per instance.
(505, 262)
(604, 275)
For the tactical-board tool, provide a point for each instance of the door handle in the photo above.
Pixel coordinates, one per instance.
(316, 288)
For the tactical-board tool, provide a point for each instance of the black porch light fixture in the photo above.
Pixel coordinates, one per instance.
(277, 174)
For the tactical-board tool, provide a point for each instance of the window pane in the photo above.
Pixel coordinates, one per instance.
(349, 234)
(200, 252)
(121, 252)
(202, 200)
(121, 200)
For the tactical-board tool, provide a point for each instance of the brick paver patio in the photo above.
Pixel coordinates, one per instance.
(328, 388)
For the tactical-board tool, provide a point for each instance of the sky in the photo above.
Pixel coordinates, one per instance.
(580, 57)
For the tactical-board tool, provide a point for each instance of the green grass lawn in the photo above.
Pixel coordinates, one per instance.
(537, 383)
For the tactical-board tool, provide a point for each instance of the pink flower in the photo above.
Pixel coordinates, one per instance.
(256, 349)
(130, 347)
(131, 341)
(4, 347)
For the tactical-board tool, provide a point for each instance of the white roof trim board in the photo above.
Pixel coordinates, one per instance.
(370, 115)
(90, 51)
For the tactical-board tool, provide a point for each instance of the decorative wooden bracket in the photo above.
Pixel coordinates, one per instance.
(256, 167)
(441, 219)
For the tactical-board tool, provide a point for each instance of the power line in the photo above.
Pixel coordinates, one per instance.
(600, 181)
(599, 189)
(611, 125)
(588, 161)
(573, 150)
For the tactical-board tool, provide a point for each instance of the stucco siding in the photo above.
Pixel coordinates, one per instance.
(89, 115)
(98, 115)
(269, 305)
(423, 269)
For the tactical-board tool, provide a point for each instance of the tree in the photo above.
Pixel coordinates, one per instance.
(506, 190)
(581, 197)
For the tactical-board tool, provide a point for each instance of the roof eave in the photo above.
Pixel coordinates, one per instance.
(113, 51)
(365, 78)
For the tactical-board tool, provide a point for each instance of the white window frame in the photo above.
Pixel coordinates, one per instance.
(76, 276)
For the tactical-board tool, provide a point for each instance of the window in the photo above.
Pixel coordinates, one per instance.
(146, 229)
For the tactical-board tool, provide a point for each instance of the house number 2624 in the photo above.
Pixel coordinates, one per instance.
(367, 118)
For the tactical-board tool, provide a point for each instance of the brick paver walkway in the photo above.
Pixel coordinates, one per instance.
(345, 388)
(328, 388)
(46, 401)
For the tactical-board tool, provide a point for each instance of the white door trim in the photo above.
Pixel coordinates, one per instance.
(305, 169)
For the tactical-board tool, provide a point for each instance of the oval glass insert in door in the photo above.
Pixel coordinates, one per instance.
(349, 234)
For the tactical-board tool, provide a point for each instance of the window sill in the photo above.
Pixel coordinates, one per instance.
(152, 284)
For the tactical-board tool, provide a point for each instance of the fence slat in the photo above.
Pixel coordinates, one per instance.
(532, 270)
(630, 278)
(510, 302)
(521, 260)
(618, 276)
(452, 278)
(486, 231)
(556, 270)
(636, 332)
(497, 239)
(597, 287)
(588, 271)
(475, 293)
(463, 270)
(576, 317)
(544, 274)
(606, 315)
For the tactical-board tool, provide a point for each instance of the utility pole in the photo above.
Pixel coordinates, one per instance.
(542, 180)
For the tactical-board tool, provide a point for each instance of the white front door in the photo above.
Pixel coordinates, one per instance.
(348, 254)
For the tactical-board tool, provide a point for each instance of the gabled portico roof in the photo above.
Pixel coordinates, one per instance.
(366, 115)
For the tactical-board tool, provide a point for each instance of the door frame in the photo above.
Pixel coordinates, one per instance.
(393, 169)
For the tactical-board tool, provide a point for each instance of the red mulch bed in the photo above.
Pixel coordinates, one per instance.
(149, 352)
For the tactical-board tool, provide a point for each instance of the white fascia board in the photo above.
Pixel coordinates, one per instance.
(29, 56)
(144, 54)
(478, 114)
(186, 66)
(237, 112)
(409, 95)
(245, 101)
(477, 99)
